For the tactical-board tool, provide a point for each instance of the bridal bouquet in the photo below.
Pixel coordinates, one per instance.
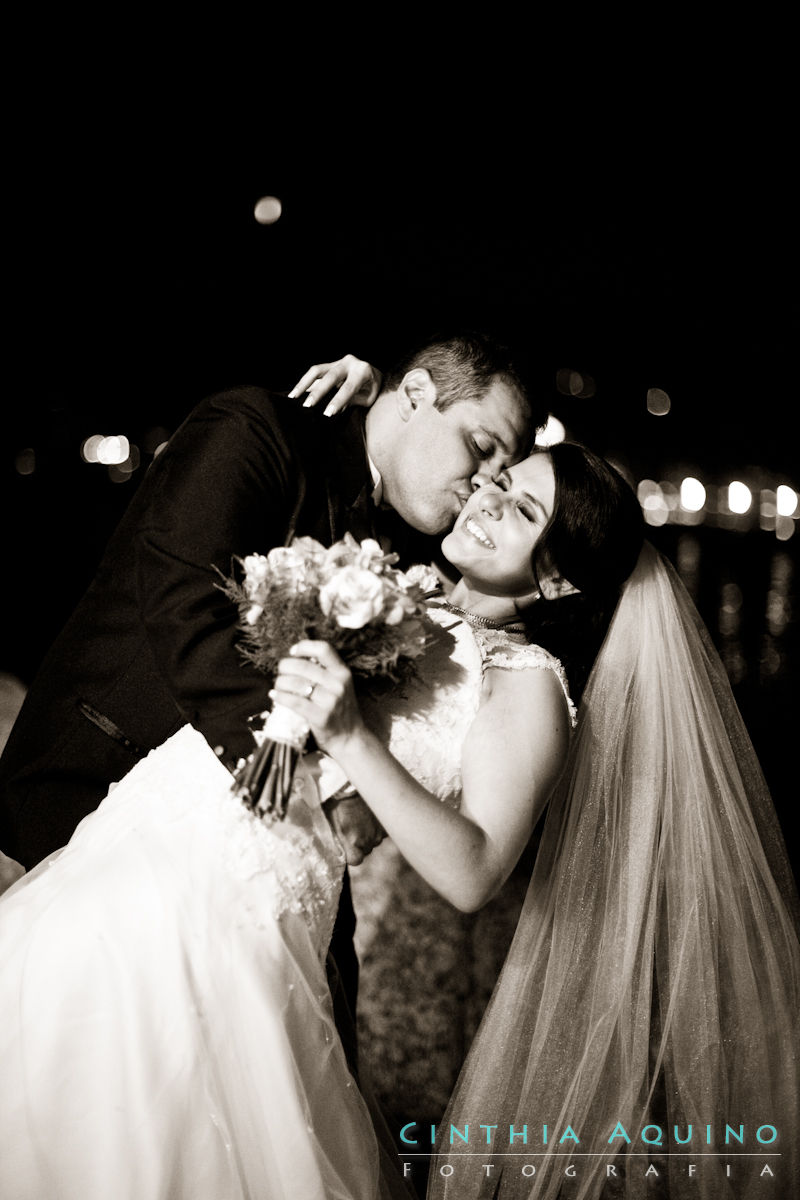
(350, 595)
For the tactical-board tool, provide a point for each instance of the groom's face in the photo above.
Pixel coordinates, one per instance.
(447, 453)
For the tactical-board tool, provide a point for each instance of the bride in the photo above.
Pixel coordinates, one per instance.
(165, 1021)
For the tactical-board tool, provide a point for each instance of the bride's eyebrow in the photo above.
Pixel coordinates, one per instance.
(536, 503)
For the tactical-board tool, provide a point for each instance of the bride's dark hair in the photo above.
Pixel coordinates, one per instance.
(593, 540)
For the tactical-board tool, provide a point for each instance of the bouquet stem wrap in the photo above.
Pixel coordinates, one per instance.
(350, 595)
(265, 780)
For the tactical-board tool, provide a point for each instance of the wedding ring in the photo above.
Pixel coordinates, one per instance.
(309, 692)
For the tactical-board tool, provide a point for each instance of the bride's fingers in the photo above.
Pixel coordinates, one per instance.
(359, 387)
(322, 387)
(308, 379)
(316, 704)
(303, 697)
(320, 653)
(316, 684)
(348, 380)
(300, 675)
(320, 380)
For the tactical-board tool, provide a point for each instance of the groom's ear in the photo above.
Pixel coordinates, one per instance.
(417, 390)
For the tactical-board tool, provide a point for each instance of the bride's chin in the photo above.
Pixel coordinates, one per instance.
(460, 561)
(449, 551)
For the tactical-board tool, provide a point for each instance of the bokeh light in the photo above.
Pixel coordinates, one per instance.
(767, 509)
(693, 494)
(658, 402)
(653, 502)
(113, 450)
(90, 447)
(786, 501)
(110, 451)
(121, 472)
(784, 528)
(574, 383)
(730, 613)
(25, 462)
(267, 210)
(739, 497)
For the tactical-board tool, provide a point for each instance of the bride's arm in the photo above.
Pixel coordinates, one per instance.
(512, 757)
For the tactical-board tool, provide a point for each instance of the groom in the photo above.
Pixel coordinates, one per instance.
(151, 646)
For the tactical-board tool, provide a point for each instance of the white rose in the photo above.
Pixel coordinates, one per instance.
(398, 606)
(423, 576)
(285, 560)
(310, 549)
(297, 564)
(371, 557)
(343, 553)
(353, 597)
(256, 571)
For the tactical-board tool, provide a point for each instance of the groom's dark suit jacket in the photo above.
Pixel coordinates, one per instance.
(151, 646)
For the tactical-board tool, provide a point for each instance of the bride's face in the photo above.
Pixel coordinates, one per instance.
(492, 541)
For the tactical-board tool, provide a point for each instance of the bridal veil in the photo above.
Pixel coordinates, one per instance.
(653, 983)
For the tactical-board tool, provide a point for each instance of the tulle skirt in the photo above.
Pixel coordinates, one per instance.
(166, 1026)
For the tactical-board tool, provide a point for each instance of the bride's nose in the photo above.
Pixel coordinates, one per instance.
(490, 500)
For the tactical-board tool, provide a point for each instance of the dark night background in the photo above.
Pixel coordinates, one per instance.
(642, 249)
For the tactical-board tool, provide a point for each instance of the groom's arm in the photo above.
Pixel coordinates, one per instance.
(226, 485)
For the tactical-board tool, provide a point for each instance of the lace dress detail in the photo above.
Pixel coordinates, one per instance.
(499, 650)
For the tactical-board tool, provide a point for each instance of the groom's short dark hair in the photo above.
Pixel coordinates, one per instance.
(463, 367)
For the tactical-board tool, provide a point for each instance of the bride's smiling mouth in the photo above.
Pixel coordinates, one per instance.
(478, 533)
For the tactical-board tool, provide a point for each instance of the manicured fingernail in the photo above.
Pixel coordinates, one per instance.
(329, 411)
(293, 394)
(309, 402)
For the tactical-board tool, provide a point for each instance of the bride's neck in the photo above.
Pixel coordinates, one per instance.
(470, 598)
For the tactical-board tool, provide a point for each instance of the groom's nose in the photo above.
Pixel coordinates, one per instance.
(486, 473)
(489, 468)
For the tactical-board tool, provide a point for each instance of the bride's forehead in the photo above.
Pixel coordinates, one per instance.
(537, 468)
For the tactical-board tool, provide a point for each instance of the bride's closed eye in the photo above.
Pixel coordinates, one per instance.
(524, 505)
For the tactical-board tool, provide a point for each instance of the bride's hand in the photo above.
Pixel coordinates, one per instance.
(355, 381)
(314, 683)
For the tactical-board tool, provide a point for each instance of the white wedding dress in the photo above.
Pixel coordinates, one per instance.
(166, 1027)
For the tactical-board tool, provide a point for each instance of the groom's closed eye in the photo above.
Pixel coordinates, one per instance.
(482, 445)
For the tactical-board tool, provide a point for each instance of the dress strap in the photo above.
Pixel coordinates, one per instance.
(498, 650)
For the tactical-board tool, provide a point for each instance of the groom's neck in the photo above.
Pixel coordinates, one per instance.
(379, 436)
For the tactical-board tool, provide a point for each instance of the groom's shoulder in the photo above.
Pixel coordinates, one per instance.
(253, 402)
(253, 411)
(264, 406)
